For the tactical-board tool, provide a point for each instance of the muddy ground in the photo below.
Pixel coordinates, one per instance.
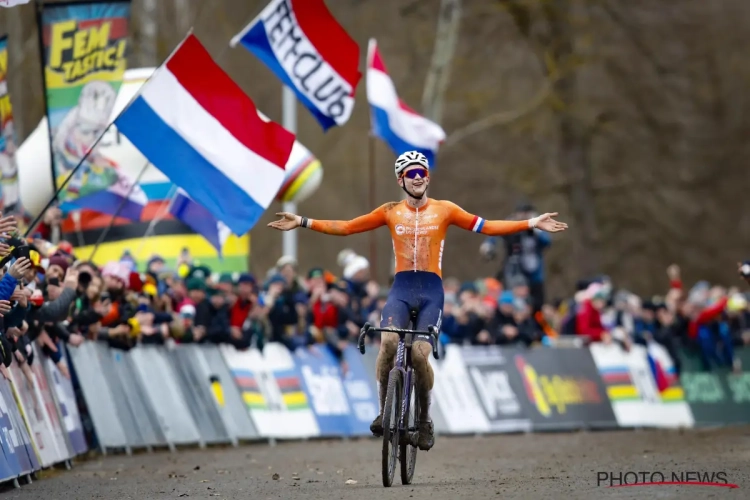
(535, 466)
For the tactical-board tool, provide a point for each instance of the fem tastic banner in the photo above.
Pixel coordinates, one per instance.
(84, 57)
(10, 203)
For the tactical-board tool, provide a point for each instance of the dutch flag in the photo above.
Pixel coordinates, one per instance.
(399, 126)
(200, 129)
(199, 220)
(309, 51)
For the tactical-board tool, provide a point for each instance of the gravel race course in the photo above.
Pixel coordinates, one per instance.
(535, 466)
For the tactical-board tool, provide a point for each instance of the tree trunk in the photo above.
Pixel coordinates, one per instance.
(574, 141)
(438, 76)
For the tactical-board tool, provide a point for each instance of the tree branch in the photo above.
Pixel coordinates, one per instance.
(500, 118)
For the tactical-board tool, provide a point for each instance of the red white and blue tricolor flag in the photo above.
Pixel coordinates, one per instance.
(124, 198)
(199, 219)
(310, 52)
(200, 129)
(399, 126)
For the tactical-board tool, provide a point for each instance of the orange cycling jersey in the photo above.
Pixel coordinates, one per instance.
(418, 233)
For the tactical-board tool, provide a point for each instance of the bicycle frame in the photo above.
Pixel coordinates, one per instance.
(403, 364)
(403, 360)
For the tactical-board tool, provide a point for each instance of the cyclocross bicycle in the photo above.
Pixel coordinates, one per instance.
(400, 412)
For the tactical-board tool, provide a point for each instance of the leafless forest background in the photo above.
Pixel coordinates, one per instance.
(631, 119)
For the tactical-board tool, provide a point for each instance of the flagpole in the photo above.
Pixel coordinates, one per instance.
(371, 204)
(117, 212)
(163, 211)
(39, 217)
(289, 122)
(39, 7)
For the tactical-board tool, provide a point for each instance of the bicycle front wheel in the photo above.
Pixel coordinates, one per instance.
(408, 451)
(391, 417)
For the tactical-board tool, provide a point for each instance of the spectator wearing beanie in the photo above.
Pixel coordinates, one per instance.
(197, 293)
(356, 272)
(57, 267)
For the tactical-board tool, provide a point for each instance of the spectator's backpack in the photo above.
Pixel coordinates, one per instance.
(568, 326)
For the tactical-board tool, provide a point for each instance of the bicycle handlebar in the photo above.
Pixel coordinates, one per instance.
(431, 331)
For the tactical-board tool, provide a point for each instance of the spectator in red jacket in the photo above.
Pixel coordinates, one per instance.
(242, 305)
(588, 317)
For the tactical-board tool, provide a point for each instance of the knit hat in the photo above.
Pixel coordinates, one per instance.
(315, 272)
(117, 270)
(226, 278)
(60, 261)
(195, 284)
(246, 278)
(355, 265)
(286, 260)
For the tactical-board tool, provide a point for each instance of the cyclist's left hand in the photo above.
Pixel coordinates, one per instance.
(287, 222)
(545, 222)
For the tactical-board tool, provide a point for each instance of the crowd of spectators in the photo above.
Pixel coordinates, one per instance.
(48, 296)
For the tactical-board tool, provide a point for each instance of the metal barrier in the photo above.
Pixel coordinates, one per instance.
(156, 396)
(199, 398)
(159, 383)
(100, 399)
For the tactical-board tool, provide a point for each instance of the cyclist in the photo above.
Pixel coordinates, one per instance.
(418, 225)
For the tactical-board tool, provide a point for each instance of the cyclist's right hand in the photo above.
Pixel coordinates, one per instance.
(287, 222)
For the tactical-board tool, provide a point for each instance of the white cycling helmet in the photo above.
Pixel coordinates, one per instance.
(408, 159)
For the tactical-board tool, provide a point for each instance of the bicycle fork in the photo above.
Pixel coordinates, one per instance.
(404, 366)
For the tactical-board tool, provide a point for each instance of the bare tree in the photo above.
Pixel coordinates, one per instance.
(438, 75)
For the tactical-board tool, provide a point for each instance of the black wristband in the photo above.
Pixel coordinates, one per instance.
(304, 222)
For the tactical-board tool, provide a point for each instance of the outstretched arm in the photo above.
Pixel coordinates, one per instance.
(470, 222)
(363, 223)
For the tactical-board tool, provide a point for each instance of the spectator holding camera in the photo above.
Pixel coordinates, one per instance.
(524, 256)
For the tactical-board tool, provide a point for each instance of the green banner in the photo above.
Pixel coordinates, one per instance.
(84, 47)
(719, 396)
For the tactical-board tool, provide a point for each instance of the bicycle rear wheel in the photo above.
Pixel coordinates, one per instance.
(408, 452)
(391, 417)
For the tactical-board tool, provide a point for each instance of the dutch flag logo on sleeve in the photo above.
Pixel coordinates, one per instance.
(477, 224)
(310, 52)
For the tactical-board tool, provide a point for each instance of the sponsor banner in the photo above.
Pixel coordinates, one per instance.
(632, 390)
(44, 392)
(362, 391)
(35, 415)
(10, 442)
(324, 386)
(498, 386)
(563, 389)
(7, 471)
(272, 391)
(28, 453)
(718, 397)
(455, 396)
(66, 400)
(10, 203)
(85, 51)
